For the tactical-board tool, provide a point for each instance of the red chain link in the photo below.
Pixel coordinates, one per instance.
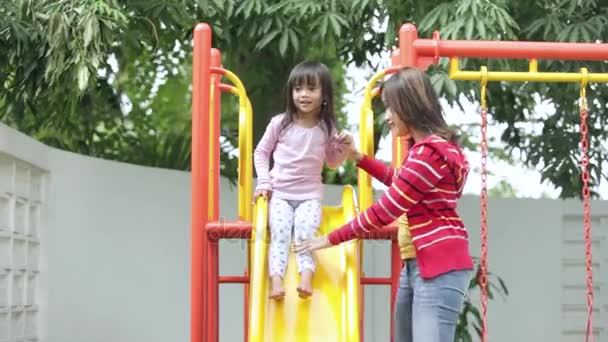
(587, 215)
(483, 277)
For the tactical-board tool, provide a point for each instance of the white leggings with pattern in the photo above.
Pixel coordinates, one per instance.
(286, 216)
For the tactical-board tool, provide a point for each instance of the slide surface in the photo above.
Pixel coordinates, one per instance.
(332, 312)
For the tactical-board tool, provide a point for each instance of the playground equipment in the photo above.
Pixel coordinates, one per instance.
(421, 53)
(337, 278)
(335, 312)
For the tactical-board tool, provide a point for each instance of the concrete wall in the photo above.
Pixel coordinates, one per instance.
(114, 256)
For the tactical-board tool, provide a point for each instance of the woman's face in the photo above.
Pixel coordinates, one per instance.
(397, 127)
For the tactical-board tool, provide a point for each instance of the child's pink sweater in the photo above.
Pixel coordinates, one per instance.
(298, 154)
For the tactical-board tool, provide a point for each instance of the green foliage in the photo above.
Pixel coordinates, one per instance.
(111, 78)
(503, 189)
(471, 315)
(550, 145)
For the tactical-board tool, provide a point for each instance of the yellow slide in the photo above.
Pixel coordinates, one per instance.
(332, 312)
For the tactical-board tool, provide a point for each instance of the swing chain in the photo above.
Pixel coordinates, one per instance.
(483, 277)
(586, 192)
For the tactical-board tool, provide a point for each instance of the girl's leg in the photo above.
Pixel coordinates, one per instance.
(306, 223)
(437, 305)
(280, 216)
(403, 306)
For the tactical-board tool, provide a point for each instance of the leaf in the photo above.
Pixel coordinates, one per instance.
(335, 25)
(88, 31)
(481, 28)
(266, 26)
(324, 26)
(283, 42)
(267, 39)
(83, 77)
(536, 25)
(229, 8)
(564, 34)
(469, 28)
(434, 18)
(203, 4)
(294, 39)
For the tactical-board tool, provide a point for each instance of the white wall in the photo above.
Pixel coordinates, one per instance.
(116, 257)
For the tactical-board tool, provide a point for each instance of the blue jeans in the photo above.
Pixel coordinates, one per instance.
(428, 310)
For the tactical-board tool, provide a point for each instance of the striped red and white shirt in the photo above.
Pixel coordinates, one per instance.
(426, 189)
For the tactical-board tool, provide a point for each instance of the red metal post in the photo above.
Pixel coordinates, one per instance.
(376, 281)
(229, 230)
(212, 290)
(233, 280)
(511, 49)
(199, 174)
(407, 36)
(422, 52)
(216, 61)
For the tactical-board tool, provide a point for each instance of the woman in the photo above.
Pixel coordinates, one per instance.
(437, 265)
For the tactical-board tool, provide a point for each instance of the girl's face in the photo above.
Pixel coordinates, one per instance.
(307, 98)
(396, 125)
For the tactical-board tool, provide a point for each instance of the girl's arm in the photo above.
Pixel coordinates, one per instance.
(261, 156)
(419, 174)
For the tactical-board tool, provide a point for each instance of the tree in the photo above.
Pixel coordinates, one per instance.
(111, 78)
(503, 189)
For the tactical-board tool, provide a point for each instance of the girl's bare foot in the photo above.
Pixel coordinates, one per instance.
(305, 287)
(277, 291)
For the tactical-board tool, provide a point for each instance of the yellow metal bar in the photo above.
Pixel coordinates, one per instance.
(245, 176)
(515, 76)
(259, 274)
(533, 65)
(366, 136)
(352, 269)
(248, 195)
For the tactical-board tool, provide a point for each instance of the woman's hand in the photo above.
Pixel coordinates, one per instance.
(312, 244)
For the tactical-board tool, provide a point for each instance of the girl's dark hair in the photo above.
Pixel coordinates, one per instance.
(311, 73)
(409, 94)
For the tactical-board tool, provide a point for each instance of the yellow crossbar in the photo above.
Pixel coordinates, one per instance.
(517, 76)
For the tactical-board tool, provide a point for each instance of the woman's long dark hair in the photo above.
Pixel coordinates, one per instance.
(409, 94)
(311, 73)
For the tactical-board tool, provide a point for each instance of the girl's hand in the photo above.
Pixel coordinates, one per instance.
(347, 143)
(312, 244)
(263, 192)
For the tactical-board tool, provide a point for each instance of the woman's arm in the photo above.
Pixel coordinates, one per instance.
(377, 169)
(418, 175)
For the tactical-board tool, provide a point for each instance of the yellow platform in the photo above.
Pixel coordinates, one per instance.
(332, 313)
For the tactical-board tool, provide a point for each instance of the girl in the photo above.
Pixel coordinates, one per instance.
(437, 265)
(300, 141)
